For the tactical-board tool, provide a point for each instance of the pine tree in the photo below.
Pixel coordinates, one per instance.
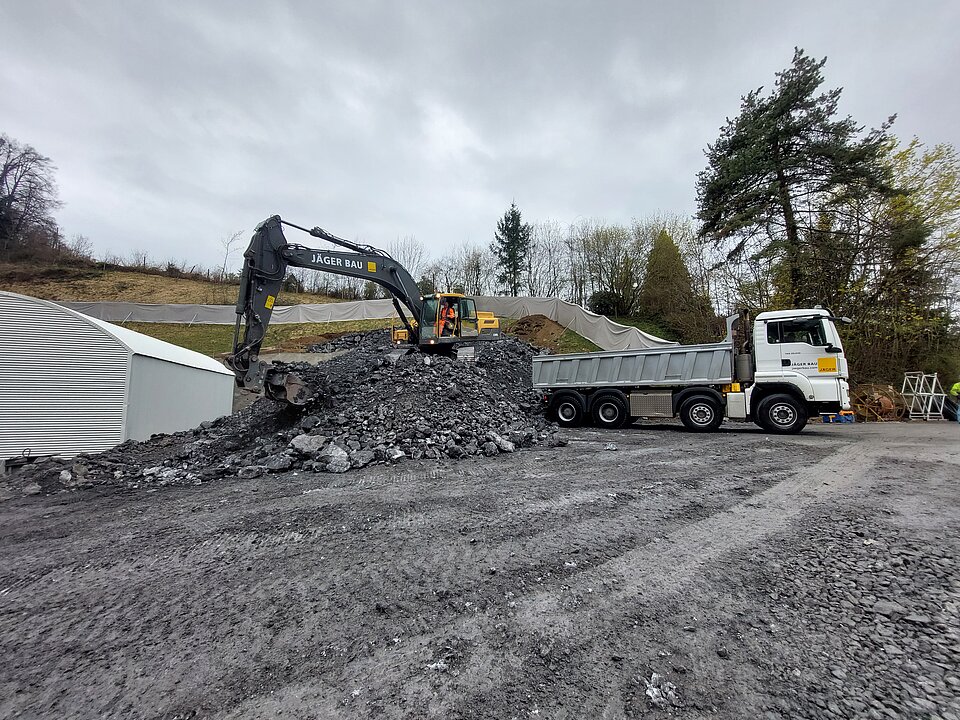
(511, 244)
(783, 159)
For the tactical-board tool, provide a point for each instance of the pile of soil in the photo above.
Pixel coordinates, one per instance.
(539, 330)
(368, 409)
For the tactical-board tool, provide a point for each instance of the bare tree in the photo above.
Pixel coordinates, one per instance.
(28, 197)
(139, 259)
(229, 246)
(81, 248)
(547, 272)
(446, 273)
(468, 268)
(409, 252)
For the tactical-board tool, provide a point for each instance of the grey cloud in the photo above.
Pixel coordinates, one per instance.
(174, 124)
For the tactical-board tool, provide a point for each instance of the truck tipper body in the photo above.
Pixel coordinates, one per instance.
(788, 367)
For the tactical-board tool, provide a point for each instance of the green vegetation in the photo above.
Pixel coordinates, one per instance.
(648, 326)
(570, 342)
(667, 296)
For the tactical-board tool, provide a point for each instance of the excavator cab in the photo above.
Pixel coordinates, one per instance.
(450, 319)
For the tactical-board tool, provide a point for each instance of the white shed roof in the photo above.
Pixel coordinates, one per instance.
(138, 343)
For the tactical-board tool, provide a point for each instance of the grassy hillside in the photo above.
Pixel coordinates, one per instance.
(218, 339)
(94, 285)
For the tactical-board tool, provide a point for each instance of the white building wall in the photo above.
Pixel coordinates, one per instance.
(63, 381)
(166, 397)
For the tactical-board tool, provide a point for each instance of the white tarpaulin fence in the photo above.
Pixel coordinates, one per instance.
(597, 328)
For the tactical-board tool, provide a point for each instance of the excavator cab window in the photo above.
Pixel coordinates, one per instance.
(429, 328)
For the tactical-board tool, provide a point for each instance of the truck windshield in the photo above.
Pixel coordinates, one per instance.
(801, 330)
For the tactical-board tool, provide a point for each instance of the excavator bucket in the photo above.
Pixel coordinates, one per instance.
(287, 387)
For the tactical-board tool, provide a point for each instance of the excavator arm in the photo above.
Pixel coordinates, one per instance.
(265, 264)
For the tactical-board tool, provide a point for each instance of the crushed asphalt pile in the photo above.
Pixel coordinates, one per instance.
(369, 409)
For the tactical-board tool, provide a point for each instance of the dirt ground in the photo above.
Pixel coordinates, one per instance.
(760, 576)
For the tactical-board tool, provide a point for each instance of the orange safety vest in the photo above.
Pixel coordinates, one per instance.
(446, 314)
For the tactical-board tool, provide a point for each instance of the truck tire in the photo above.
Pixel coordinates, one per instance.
(701, 413)
(782, 414)
(568, 409)
(609, 411)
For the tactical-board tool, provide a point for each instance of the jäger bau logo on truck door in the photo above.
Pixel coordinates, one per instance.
(820, 364)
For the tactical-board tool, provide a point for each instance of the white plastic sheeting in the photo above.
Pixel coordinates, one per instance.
(599, 329)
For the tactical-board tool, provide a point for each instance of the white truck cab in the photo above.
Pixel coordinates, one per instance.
(803, 348)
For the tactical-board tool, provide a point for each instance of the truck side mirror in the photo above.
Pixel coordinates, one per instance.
(832, 349)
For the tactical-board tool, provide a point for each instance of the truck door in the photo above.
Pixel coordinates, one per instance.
(807, 348)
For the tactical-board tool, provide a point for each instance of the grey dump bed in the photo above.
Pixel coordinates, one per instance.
(664, 367)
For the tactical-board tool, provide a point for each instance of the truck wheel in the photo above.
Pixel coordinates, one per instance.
(568, 410)
(701, 414)
(782, 414)
(609, 411)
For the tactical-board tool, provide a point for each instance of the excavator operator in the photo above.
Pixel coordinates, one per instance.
(448, 318)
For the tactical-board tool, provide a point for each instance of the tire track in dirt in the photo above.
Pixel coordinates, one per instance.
(666, 565)
(401, 672)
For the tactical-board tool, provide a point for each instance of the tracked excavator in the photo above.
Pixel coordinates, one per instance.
(446, 323)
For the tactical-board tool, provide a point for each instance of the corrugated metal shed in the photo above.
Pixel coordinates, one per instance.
(70, 383)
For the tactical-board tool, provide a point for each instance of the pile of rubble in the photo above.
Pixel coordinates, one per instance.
(371, 408)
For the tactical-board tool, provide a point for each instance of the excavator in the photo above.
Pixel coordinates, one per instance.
(445, 323)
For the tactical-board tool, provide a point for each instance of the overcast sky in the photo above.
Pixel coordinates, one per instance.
(174, 124)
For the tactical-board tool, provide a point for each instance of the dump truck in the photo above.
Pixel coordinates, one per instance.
(790, 367)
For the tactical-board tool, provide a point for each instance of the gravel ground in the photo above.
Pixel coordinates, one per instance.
(733, 575)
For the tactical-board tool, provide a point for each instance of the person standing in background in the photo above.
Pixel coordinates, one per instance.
(955, 399)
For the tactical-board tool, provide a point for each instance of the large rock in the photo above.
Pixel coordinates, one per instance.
(362, 458)
(503, 445)
(278, 463)
(335, 458)
(308, 444)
